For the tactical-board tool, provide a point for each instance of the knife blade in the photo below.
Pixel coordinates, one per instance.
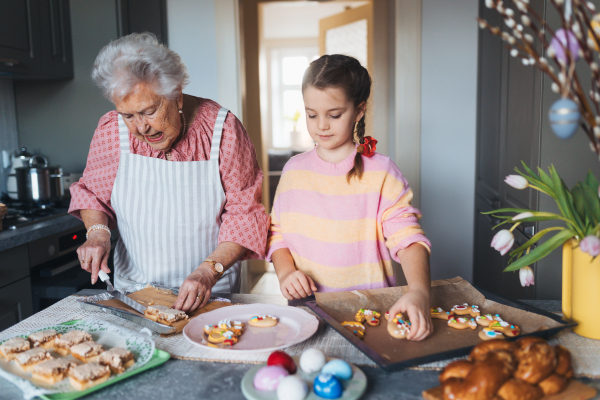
(117, 294)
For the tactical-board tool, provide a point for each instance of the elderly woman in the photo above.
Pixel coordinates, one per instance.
(176, 173)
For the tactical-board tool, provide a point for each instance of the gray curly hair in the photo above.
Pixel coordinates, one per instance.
(136, 58)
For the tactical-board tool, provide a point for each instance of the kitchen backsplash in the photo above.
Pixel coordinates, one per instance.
(9, 141)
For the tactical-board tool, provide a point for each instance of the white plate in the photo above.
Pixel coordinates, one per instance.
(294, 326)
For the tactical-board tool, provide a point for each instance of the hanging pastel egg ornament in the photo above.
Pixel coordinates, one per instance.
(559, 45)
(328, 386)
(564, 118)
(594, 33)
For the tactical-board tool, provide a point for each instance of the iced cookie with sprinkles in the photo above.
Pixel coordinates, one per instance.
(27, 360)
(487, 319)
(398, 328)
(223, 336)
(439, 313)
(64, 342)
(235, 326)
(52, 371)
(87, 375)
(507, 329)
(262, 321)
(462, 323)
(164, 315)
(209, 328)
(369, 316)
(117, 359)
(14, 346)
(489, 334)
(87, 351)
(43, 338)
(465, 309)
(356, 328)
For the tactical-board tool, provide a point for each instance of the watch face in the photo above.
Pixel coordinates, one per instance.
(219, 267)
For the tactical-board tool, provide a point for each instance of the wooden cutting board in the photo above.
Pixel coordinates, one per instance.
(152, 295)
(574, 391)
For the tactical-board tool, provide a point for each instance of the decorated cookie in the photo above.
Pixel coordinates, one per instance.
(506, 328)
(355, 327)
(223, 336)
(209, 328)
(263, 321)
(235, 326)
(439, 313)
(398, 315)
(489, 334)
(465, 309)
(487, 319)
(369, 316)
(462, 323)
(398, 328)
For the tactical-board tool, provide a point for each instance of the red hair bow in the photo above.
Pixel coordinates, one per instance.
(368, 147)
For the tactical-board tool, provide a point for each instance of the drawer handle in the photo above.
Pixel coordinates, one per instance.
(9, 62)
(55, 271)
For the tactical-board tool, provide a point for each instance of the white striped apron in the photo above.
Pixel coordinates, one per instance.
(169, 216)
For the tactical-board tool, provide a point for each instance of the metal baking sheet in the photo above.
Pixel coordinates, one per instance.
(91, 303)
(443, 355)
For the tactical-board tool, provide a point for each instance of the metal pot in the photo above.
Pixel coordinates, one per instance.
(18, 160)
(33, 183)
(57, 188)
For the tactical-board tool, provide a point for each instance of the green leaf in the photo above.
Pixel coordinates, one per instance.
(578, 200)
(564, 199)
(503, 210)
(592, 182)
(592, 203)
(547, 182)
(542, 250)
(534, 239)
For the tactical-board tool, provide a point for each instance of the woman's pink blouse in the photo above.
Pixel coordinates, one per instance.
(244, 219)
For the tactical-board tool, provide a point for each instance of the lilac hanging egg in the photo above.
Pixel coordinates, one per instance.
(564, 118)
(559, 45)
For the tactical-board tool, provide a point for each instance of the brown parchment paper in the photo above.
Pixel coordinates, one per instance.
(342, 306)
(151, 295)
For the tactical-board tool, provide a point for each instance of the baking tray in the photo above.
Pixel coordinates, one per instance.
(91, 303)
(443, 355)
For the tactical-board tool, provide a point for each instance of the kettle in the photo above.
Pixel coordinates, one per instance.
(19, 160)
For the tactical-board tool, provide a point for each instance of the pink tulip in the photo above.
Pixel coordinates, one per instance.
(591, 245)
(526, 276)
(503, 241)
(516, 181)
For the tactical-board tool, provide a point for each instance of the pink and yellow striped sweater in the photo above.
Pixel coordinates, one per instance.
(340, 234)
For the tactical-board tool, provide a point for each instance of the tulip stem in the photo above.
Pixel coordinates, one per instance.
(537, 188)
(515, 226)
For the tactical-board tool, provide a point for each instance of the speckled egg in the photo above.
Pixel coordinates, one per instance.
(338, 368)
(312, 360)
(564, 118)
(328, 386)
(269, 377)
(292, 388)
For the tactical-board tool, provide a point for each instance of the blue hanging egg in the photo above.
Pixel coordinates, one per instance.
(564, 118)
(328, 386)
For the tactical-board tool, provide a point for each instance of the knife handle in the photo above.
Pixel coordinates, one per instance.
(103, 276)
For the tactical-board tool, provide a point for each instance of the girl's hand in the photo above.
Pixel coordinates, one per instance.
(297, 285)
(196, 289)
(93, 254)
(415, 304)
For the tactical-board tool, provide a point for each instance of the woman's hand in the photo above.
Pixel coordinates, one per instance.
(93, 254)
(415, 304)
(195, 290)
(297, 285)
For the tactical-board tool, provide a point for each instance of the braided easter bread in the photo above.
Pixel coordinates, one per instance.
(527, 369)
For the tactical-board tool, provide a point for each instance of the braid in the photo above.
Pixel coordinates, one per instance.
(358, 168)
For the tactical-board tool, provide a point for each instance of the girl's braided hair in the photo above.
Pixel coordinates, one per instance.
(346, 73)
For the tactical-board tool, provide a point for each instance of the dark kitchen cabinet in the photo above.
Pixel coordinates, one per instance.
(143, 16)
(15, 286)
(35, 39)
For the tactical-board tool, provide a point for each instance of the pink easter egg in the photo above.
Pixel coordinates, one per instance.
(559, 44)
(268, 378)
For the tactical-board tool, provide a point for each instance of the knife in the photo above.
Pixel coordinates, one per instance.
(117, 294)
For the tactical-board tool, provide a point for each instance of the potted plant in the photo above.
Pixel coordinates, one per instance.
(578, 220)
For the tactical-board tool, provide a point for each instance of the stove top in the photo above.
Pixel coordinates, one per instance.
(21, 215)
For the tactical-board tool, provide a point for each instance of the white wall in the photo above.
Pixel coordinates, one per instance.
(448, 133)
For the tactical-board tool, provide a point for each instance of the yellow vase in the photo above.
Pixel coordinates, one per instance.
(581, 290)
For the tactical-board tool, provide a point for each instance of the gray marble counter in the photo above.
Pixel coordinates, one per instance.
(16, 237)
(202, 380)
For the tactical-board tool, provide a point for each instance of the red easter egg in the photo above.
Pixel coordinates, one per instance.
(282, 359)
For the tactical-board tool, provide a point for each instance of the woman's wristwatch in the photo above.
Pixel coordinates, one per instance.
(217, 267)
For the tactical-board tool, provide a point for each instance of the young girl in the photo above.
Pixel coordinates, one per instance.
(339, 206)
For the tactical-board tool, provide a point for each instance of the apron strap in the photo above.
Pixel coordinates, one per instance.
(217, 133)
(123, 136)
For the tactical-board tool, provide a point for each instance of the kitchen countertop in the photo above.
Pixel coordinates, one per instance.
(14, 237)
(211, 380)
